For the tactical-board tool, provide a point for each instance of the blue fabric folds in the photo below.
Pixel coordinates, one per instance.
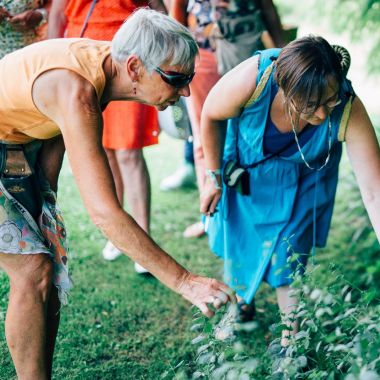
(252, 234)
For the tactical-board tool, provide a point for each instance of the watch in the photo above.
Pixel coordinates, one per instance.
(212, 175)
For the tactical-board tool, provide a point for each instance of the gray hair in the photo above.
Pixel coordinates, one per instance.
(156, 39)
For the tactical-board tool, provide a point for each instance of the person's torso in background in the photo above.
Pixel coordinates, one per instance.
(11, 39)
(106, 14)
(203, 13)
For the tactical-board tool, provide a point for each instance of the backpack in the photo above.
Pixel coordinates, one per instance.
(236, 36)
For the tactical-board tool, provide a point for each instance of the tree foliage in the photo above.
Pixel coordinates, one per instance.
(361, 19)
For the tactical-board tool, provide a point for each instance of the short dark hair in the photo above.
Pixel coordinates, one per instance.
(303, 68)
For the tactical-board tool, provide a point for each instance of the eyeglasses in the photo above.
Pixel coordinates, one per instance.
(311, 108)
(175, 79)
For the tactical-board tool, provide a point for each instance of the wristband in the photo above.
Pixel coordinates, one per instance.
(211, 174)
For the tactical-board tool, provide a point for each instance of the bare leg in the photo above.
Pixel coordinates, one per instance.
(207, 76)
(287, 304)
(136, 180)
(26, 320)
(112, 159)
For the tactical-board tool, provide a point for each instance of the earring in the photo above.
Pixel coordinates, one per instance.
(134, 88)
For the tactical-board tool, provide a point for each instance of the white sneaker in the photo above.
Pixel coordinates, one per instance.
(140, 269)
(110, 252)
(184, 176)
(195, 230)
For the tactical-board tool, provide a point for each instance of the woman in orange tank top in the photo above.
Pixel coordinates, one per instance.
(57, 88)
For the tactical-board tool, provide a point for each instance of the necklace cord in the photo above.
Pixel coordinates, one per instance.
(300, 149)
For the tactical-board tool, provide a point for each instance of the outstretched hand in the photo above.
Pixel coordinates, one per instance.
(205, 292)
(4, 14)
(25, 21)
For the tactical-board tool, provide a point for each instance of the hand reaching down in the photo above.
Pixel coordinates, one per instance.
(204, 292)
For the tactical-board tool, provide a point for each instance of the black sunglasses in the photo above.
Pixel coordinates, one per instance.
(175, 79)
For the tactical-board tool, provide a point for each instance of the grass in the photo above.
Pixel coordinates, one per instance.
(119, 325)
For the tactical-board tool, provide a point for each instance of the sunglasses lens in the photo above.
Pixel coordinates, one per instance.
(180, 82)
(176, 79)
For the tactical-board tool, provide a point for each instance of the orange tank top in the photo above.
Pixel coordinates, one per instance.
(20, 120)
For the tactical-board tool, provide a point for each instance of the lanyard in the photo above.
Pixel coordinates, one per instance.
(87, 18)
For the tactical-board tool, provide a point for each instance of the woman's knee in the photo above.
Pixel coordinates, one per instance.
(33, 276)
(111, 155)
(132, 157)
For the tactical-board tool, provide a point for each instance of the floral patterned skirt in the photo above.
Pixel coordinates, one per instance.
(21, 234)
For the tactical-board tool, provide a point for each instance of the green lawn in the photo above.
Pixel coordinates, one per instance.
(119, 325)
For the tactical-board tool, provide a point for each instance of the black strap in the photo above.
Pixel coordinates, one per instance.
(3, 157)
(254, 164)
(283, 149)
(87, 18)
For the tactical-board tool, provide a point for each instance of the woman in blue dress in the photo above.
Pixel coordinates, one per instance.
(289, 111)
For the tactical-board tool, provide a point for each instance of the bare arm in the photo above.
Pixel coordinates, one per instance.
(225, 100)
(71, 102)
(364, 153)
(272, 21)
(178, 10)
(158, 5)
(4, 14)
(26, 21)
(57, 19)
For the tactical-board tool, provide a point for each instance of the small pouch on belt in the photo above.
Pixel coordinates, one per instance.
(20, 180)
(236, 176)
(16, 164)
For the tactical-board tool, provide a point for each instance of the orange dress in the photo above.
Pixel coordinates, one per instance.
(127, 125)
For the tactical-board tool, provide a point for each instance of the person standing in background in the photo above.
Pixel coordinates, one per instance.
(201, 17)
(20, 22)
(128, 127)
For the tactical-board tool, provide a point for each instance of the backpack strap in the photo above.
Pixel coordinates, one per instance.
(260, 86)
(266, 65)
(344, 119)
(350, 95)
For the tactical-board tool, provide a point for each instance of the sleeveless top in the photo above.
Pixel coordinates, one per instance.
(251, 123)
(276, 141)
(288, 202)
(20, 120)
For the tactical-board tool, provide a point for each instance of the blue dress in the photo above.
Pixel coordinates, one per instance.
(256, 234)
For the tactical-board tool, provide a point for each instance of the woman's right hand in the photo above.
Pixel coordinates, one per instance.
(209, 197)
(26, 21)
(4, 14)
(204, 292)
